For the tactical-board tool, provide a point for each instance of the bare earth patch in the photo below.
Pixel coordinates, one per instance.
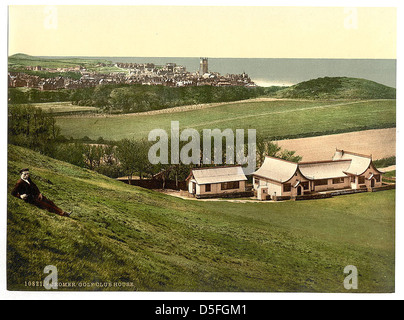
(380, 143)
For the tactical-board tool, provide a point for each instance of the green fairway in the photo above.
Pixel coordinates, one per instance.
(282, 118)
(124, 234)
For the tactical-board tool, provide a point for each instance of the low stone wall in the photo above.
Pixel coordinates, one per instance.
(156, 184)
(385, 187)
(348, 191)
(313, 196)
(331, 194)
(278, 198)
(226, 195)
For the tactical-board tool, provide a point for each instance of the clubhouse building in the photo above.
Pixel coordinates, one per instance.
(277, 178)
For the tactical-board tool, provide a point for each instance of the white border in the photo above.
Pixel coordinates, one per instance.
(8, 295)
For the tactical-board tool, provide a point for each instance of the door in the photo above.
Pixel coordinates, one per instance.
(299, 190)
(373, 183)
(263, 194)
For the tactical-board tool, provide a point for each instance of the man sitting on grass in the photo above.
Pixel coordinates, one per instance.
(26, 190)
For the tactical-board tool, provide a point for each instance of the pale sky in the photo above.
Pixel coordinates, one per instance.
(192, 31)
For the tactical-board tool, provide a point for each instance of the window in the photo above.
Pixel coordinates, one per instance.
(337, 180)
(287, 187)
(208, 188)
(305, 185)
(361, 180)
(377, 177)
(323, 182)
(230, 185)
(353, 179)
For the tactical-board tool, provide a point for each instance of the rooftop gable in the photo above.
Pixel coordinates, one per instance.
(277, 169)
(359, 162)
(218, 175)
(324, 169)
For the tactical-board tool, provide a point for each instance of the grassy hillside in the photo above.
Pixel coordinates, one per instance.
(120, 233)
(338, 88)
(273, 119)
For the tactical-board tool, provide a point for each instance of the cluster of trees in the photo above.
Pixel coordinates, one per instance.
(33, 128)
(101, 158)
(18, 96)
(140, 98)
(123, 98)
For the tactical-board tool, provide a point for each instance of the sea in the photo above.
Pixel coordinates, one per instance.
(284, 72)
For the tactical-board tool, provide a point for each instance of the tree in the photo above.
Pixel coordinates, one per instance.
(290, 156)
(133, 156)
(72, 153)
(93, 155)
(268, 148)
(265, 148)
(33, 128)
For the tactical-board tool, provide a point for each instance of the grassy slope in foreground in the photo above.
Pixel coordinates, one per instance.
(121, 233)
(338, 88)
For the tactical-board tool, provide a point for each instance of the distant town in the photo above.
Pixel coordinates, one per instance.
(171, 75)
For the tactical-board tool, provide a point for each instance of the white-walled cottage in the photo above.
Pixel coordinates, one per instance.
(214, 182)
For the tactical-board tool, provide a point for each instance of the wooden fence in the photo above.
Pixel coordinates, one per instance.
(156, 184)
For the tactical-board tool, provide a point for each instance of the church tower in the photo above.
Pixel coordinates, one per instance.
(203, 66)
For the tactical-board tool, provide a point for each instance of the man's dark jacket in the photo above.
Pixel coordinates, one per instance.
(31, 190)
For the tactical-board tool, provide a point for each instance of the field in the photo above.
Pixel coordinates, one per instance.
(379, 143)
(124, 234)
(273, 119)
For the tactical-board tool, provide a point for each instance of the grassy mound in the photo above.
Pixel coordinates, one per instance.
(338, 88)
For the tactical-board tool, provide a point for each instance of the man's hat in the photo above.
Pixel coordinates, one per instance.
(23, 170)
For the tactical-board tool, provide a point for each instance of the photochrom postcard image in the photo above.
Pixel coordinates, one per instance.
(201, 148)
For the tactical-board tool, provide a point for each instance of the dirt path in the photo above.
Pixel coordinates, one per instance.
(380, 143)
